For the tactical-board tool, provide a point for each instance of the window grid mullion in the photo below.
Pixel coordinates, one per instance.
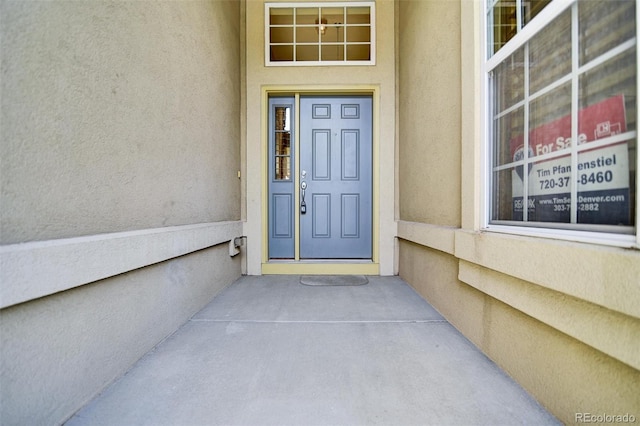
(319, 18)
(525, 127)
(344, 34)
(575, 91)
(295, 31)
(637, 218)
(518, 16)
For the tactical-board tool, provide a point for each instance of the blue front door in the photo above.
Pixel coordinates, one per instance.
(335, 167)
(334, 178)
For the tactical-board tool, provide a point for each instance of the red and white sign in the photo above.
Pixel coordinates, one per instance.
(602, 175)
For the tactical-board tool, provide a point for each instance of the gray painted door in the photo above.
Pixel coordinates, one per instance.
(281, 183)
(336, 168)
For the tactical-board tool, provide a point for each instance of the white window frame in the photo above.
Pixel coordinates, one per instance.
(267, 36)
(595, 234)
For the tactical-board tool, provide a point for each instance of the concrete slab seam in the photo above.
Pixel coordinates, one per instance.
(323, 322)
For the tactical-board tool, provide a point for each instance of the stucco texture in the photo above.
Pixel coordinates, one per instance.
(58, 352)
(565, 375)
(561, 317)
(115, 116)
(430, 118)
(118, 116)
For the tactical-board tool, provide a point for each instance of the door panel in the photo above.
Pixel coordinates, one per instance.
(336, 165)
(350, 155)
(321, 215)
(282, 220)
(350, 209)
(321, 154)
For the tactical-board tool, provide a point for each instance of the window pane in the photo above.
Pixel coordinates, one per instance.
(333, 15)
(550, 53)
(282, 151)
(606, 175)
(307, 35)
(613, 78)
(550, 121)
(603, 186)
(307, 15)
(502, 24)
(281, 35)
(508, 80)
(604, 25)
(283, 119)
(281, 53)
(307, 53)
(283, 168)
(507, 196)
(358, 34)
(332, 52)
(337, 34)
(549, 187)
(508, 138)
(530, 8)
(358, 52)
(280, 16)
(358, 15)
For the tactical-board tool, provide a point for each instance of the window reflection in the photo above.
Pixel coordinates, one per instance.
(503, 20)
(564, 152)
(282, 152)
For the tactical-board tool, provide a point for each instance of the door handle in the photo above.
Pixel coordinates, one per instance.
(303, 204)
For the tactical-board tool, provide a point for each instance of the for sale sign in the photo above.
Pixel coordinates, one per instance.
(602, 172)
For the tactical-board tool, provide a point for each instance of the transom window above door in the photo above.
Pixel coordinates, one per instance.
(299, 34)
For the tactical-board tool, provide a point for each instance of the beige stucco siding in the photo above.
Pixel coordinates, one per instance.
(108, 116)
(563, 373)
(429, 102)
(120, 146)
(561, 317)
(60, 351)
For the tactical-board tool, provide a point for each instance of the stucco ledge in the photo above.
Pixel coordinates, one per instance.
(603, 275)
(433, 236)
(36, 269)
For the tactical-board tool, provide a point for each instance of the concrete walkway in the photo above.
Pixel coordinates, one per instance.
(270, 351)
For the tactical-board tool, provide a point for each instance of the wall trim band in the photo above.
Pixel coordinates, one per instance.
(35, 269)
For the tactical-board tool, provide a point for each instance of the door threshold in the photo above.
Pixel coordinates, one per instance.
(321, 267)
(305, 261)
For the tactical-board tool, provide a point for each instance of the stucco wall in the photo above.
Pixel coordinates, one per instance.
(120, 146)
(117, 116)
(329, 79)
(58, 352)
(566, 375)
(429, 123)
(560, 317)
